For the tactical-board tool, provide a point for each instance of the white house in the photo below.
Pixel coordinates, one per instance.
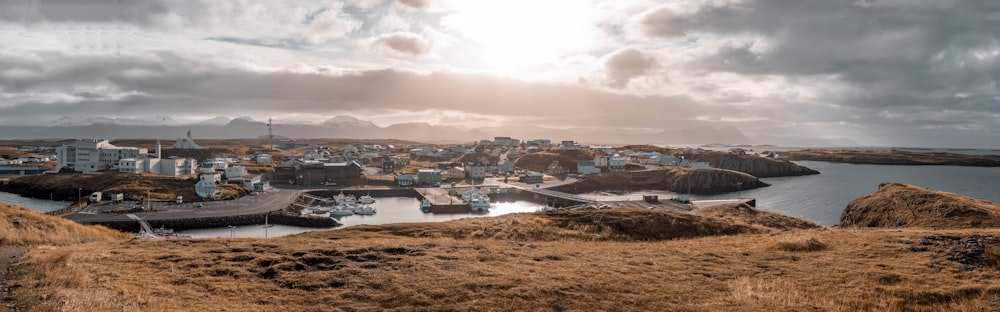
(403, 179)
(235, 171)
(616, 163)
(264, 158)
(600, 161)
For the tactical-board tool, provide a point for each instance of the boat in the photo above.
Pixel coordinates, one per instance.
(477, 200)
(548, 208)
(341, 211)
(366, 199)
(425, 205)
(365, 210)
(319, 210)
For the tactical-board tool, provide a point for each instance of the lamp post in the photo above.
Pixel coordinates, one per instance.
(232, 230)
(739, 193)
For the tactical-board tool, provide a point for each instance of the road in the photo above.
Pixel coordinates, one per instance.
(272, 200)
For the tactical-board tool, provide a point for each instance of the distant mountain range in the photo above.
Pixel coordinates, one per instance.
(350, 127)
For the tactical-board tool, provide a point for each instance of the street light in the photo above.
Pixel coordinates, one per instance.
(739, 193)
(232, 230)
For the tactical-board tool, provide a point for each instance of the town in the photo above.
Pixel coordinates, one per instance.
(446, 178)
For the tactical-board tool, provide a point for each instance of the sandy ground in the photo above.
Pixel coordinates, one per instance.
(8, 255)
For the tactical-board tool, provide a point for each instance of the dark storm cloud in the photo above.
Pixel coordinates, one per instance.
(404, 42)
(905, 56)
(623, 65)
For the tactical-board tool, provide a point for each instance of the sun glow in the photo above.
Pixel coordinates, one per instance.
(521, 33)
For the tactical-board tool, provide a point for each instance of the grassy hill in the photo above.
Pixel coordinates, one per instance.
(731, 258)
(900, 205)
(22, 227)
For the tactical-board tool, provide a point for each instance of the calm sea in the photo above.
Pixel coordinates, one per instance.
(39, 205)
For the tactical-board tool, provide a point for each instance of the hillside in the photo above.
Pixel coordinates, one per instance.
(22, 227)
(135, 186)
(673, 179)
(899, 205)
(761, 167)
(893, 157)
(618, 259)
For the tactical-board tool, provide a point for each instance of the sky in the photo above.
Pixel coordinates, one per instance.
(916, 73)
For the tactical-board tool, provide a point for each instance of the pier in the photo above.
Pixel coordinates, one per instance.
(441, 201)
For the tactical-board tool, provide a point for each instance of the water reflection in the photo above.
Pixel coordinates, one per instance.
(390, 210)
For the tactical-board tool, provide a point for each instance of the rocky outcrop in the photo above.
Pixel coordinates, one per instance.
(678, 180)
(900, 205)
(761, 167)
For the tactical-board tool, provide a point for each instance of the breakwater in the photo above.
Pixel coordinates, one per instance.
(224, 221)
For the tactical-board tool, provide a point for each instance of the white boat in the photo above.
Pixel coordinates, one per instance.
(548, 208)
(425, 205)
(341, 211)
(366, 199)
(477, 200)
(365, 210)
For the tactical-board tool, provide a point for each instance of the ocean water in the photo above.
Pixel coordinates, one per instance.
(821, 198)
(39, 205)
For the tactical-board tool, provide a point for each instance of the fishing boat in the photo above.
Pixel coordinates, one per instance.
(365, 210)
(425, 205)
(366, 199)
(477, 200)
(341, 210)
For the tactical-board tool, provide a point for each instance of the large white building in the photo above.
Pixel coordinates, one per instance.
(92, 155)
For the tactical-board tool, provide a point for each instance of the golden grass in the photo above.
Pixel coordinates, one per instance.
(22, 227)
(801, 244)
(521, 262)
(900, 205)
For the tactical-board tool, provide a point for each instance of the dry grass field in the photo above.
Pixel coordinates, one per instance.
(618, 259)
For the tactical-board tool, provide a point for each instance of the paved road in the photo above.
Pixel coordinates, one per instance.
(274, 199)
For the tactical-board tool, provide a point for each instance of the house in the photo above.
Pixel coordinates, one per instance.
(665, 160)
(388, 166)
(235, 171)
(264, 158)
(555, 168)
(505, 141)
(569, 145)
(453, 173)
(477, 171)
(600, 162)
(405, 179)
(607, 150)
(616, 163)
(587, 167)
(699, 165)
(316, 173)
(251, 182)
(205, 188)
(540, 143)
(429, 177)
(532, 177)
(506, 167)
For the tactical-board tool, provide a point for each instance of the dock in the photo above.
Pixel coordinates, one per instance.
(441, 201)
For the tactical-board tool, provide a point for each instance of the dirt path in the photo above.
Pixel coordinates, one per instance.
(8, 255)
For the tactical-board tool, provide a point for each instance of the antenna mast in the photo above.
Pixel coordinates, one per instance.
(270, 136)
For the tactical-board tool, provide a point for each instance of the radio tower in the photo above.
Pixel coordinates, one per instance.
(270, 136)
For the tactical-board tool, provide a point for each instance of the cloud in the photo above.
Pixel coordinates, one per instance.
(404, 42)
(416, 4)
(329, 25)
(624, 65)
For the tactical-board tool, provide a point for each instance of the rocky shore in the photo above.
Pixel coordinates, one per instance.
(673, 179)
(893, 157)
